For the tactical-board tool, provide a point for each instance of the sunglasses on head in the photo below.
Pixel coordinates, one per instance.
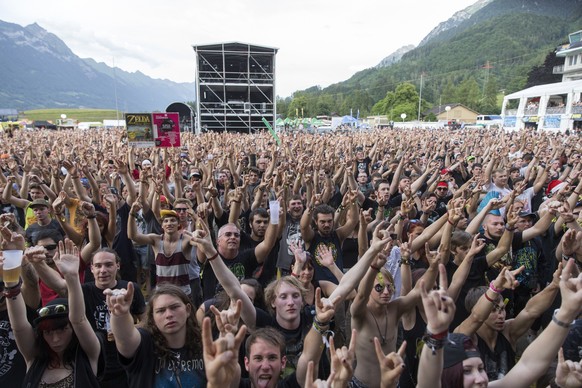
(51, 310)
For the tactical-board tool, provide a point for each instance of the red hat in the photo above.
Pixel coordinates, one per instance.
(445, 171)
(554, 186)
(163, 199)
(442, 184)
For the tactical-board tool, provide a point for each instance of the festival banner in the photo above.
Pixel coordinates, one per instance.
(139, 130)
(166, 129)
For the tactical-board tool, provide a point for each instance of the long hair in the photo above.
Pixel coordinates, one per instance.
(193, 336)
(102, 218)
(453, 376)
(45, 354)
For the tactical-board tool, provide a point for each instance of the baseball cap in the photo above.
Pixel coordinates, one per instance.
(470, 157)
(168, 213)
(195, 174)
(554, 186)
(455, 352)
(445, 171)
(39, 202)
(442, 184)
(524, 214)
(146, 163)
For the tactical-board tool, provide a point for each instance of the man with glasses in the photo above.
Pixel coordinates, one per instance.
(442, 197)
(241, 263)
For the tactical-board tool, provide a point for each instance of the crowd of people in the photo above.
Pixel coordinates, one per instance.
(390, 258)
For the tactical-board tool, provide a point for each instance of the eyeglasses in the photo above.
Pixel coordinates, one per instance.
(51, 310)
(50, 247)
(380, 288)
(181, 209)
(442, 188)
(230, 234)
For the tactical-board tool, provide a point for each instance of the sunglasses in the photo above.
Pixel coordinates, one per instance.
(51, 310)
(441, 188)
(230, 234)
(380, 288)
(180, 209)
(50, 247)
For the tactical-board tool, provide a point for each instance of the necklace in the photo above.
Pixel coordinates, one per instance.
(382, 337)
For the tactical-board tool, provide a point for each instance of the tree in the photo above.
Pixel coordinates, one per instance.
(544, 73)
(468, 93)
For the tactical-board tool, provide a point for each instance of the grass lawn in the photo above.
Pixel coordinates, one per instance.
(76, 114)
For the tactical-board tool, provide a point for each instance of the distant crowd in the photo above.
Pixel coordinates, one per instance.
(387, 258)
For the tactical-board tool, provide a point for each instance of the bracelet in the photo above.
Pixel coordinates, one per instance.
(134, 215)
(213, 257)
(495, 290)
(74, 176)
(510, 229)
(560, 323)
(435, 341)
(401, 217)
(12, 292)
(91, 217)
(568, 257)
(375, 268)
(319, 323)
(488, 298)
(449, 221)
(404, 261)
(575, 192)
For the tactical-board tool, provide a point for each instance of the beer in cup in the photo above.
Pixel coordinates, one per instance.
(12, 263)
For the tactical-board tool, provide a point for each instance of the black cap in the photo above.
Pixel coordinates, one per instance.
(455, 349)
(525, 214)
(56, 308)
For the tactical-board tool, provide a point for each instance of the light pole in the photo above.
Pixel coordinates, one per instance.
(447, 108)
(403, 116)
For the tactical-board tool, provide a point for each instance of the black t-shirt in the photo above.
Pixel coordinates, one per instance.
(12, 365)
(33, 230)
(98, 316)
(147, 369)
(293, 338)
(242, 266)
(333, 243)
(124, 246)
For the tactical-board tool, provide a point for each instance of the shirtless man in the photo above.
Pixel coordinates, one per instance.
(375, 314)
(172, 249)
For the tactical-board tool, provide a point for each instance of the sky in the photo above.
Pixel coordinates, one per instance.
(320, 42)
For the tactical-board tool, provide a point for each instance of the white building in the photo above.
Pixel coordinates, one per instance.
(556, 106)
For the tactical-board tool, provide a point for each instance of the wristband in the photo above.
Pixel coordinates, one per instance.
(134, 215)
(568, 257)
(213, 257)
(91, 217)
(404, 261)
(510, 229)
(12, 292)
(495, 290)
(488, 298)
(435, 341)
(319, 323)
(560, 323)
(375, 268)
(452, 223)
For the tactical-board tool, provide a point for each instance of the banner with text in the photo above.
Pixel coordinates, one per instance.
(166, 129)
(139, 130)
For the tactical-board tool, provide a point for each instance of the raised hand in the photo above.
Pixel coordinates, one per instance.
(391, 365)
(506, 278)
(476, 246)
(11, 240)
(342, 361)
(227, 320)
(325, 255)
(568, 373)
(438, 306)
(35, 254)
(324, 308)
(119, 301)
(309, 383)
(220, 356)
(67, 261)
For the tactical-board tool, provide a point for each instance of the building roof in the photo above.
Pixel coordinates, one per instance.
(234, 46)
(439, 109)
(547, 90)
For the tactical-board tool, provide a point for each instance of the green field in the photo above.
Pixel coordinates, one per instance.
(77, 114)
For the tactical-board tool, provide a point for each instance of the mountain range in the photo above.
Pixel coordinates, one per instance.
(505, 37)
(491, 44)
(40, 71)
